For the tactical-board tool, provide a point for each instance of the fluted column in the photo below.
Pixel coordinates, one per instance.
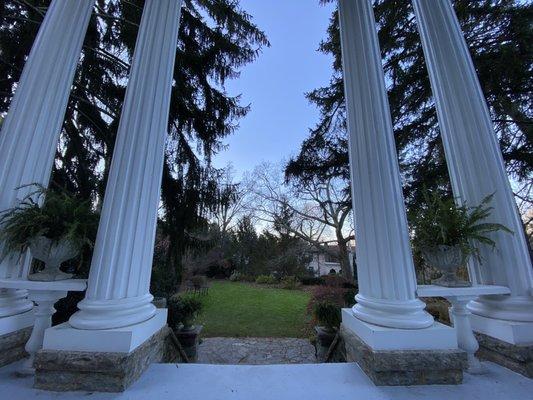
(119, 280)
(475, 161)
(385, 267)
(30, 131)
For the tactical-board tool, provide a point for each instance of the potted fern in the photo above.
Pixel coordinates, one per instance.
(182, 311)
(54, 232)
(328, 315)
(447, 234)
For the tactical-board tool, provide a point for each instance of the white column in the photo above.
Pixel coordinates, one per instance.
(30, 132)
(475, 161)
(119, 280)
(385, 270)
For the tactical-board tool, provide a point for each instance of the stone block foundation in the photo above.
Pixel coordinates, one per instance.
(61, 370)
(405, 367)
(518, 358)
(12, 346)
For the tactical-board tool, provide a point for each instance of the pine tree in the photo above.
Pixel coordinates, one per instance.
(499, 34)
(216, 39)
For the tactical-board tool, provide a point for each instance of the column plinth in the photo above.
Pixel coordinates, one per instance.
(475, 161)
(385, 269)
(119, 279)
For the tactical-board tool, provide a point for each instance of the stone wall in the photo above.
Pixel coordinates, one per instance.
(516, 358)
(405, 367)
(12, 346)
(102, 372)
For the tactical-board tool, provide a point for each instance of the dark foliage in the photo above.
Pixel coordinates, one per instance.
(500, 36)
(441, 222)
(327, 314)
(182, 310)
(216, 38)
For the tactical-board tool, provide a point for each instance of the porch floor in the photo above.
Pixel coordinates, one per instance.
(280, 382)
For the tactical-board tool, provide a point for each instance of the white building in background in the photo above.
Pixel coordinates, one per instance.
(324, 263)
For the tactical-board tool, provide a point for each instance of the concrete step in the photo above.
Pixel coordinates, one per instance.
(278, 382)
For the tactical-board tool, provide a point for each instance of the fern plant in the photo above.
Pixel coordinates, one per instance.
(441, 222)
(61, 217)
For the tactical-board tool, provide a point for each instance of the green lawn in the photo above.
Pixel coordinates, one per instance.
(235, 309)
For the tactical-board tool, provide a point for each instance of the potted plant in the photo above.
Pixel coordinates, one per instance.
(328, 315)
(446, 235)
(182, 310)
(54, 232)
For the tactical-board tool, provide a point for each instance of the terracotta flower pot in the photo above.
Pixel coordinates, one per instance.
(446, 259)
(52, 254)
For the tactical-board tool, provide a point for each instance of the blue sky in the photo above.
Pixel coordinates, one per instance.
(275, 84)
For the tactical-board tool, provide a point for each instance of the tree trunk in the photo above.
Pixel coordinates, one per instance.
(344, 259)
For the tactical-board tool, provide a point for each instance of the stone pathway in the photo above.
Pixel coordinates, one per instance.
(256, 351)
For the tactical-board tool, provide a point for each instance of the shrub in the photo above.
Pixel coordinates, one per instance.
(289, 282)
(235, 276)
(349, 297)
(198, 281)
(349, 285)
(182, 310)
(334, 280)
(247, 278)
(338, 281)
(166, 280)
(312, 281)
(335, 295)
(328, 314)
(265, 280)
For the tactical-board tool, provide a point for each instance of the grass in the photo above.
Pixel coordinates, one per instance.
(235, 309)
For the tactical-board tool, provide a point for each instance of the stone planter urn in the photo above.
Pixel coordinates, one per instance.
(446, 259)
(324, 339)
(52, 254)
(189, 339)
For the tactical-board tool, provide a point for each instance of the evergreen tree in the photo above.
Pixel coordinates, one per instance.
(216, 38)
(499, 34)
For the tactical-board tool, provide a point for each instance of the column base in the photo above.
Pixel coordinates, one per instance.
(503, 307)
(14, 333)
(110, 314)
(518, 358)
(409, 314)
(101, 361)
(394, 357)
